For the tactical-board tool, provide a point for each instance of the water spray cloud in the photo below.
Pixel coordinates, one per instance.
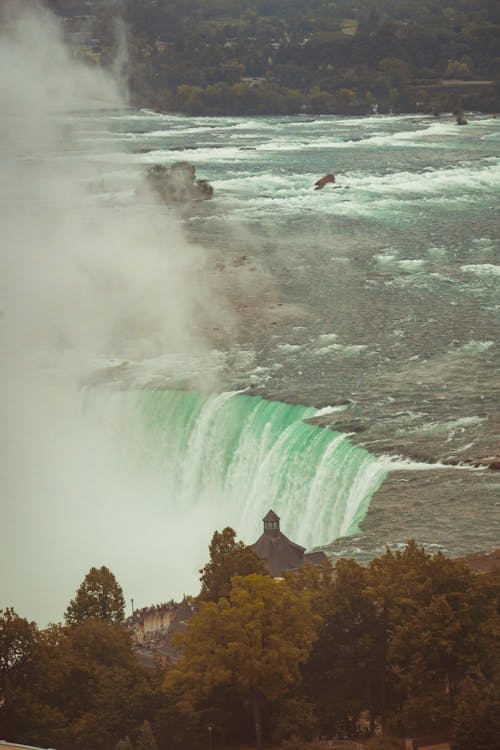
(83, 282)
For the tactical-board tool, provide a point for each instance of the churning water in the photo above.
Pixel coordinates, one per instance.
(378, 296)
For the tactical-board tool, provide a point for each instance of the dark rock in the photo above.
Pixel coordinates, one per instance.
(489, 462)
(205, 189)
(178, 183)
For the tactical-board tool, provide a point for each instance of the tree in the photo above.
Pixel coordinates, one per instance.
(99, 597)
(399, 638)
(316, 580)
(254, 642)
(228, 558)
(86, 690)
(18, 639)
(146, 739)
(477, 720)
(397, 71)
(435, 623)
(341, 675)
(457, 69)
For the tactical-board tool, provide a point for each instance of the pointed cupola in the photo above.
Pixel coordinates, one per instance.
(271, 523)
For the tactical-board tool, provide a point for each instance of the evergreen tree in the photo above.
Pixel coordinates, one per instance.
(228, 558)
(99, 597)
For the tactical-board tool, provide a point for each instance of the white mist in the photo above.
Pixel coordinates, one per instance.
(83, 283)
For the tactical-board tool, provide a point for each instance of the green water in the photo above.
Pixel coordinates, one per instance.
(248, 454)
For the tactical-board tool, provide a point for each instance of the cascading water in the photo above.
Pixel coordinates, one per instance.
(246, 455)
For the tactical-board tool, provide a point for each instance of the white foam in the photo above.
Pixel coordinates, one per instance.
(468, 178)
(327, 336)
(474, 347)
(330, 410)
(398, 463)
(288, 347)
(482, 269)
(412, 265)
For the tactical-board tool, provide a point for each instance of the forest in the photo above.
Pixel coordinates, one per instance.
(246, 57)
(403, 646)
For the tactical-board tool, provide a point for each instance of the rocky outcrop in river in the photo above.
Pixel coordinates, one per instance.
(177, 183)
(489, 462)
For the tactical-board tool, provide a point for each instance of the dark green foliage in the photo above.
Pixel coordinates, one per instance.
(85, 689)
(99, 597)
(286, 56)
(252, 643)
(228, 558)
(18, 643)
(477, 720)
(410, 639)
(400, 638)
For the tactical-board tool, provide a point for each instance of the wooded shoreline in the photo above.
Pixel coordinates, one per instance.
(220, 57)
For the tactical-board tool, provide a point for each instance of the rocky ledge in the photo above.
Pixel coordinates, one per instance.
(489, 462)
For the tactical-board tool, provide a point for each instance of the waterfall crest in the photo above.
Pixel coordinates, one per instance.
(246, 455)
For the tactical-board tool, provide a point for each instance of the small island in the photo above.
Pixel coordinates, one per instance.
(177, 183)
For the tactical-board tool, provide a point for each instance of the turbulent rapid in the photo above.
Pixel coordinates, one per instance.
(378, 295)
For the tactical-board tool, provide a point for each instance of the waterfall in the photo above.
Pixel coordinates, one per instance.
(243, 454)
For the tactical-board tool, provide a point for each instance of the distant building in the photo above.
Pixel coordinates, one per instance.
(278, 553)
(253, 81)
(162, 46)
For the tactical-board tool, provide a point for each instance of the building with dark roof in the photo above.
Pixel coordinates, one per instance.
(278, 553)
